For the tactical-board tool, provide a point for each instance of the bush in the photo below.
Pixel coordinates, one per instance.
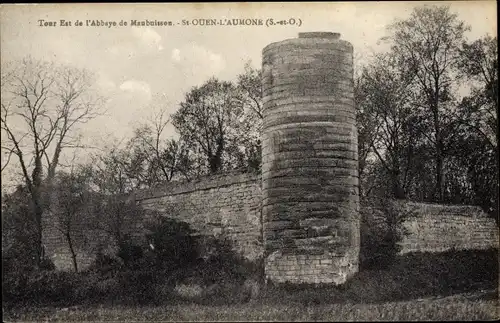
(47, 264)
(223, 275)
(222, 264)
(53, 286)
(19, 234)
(105, 265)
(140, 274)
(130, 253)
(381, 230)
(172, 244)
(41, 287)
(16, 282)
(14, 286)
(97, 288)
(146, 286)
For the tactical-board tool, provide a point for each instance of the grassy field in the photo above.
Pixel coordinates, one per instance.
(458, 307)
(455, 285)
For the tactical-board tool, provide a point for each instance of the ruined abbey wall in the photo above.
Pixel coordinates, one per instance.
(433, 227)
(223, 206)
(437, 228)
(226, 206)
(230, 205)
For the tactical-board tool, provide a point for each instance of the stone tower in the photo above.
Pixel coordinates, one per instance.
(310, 160)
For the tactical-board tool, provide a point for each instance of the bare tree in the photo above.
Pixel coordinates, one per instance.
(479, 63)
(479, 117)
(365, 124)
(250, 84)
(388, 122)
(117, 217)
(111, 171)
(156, 159)
(428, 43)
(107, 208)
(42, 106)
(250, 97)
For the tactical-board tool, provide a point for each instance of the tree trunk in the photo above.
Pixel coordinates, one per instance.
(397, 189)
(216, 160)
(39, 254)
(438, 192)
(38, 212)
(214, 164)
(72, 250)
(438, 189)
(496, 201)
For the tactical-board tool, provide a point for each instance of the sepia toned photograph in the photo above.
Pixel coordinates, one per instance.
(180, 162)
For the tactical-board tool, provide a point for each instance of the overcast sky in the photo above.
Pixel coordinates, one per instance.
(135, 65)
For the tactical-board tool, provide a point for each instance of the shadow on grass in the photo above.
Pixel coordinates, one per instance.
(411, 276)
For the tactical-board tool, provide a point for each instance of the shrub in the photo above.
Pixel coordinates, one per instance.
(105, 264)
(381, 230)
(172, 244)
(224, 275)
(19, 234)
(130, 253)
(16, 284)
(146, 286)
(41, 287)
(53, 285)
(140, 274)
(231, 292)
(96, 288)
(221, 263)
(47, 264)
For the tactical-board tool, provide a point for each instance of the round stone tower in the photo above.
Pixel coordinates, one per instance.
(310, 160)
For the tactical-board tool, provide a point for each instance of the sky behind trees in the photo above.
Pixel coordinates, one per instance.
(140, 69)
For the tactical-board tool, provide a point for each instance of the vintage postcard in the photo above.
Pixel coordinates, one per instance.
(332, 161)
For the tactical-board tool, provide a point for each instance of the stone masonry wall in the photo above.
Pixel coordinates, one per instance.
(227, 205)
(57, 247)
(312, 268)
(438, 228)
(86, 235)
(230, 205)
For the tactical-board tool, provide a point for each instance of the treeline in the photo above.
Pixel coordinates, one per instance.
(218, 127)
(428, 114)
(427, 120)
